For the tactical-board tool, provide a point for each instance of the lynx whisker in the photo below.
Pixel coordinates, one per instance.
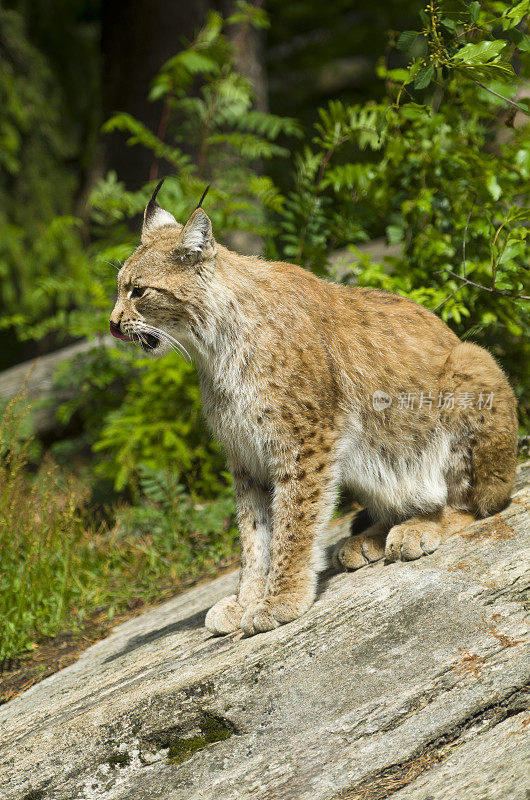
(170, 340)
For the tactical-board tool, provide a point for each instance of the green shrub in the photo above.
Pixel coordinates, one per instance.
(207, 531)
(159, 424)
(38, 527)
(134, 411)
(58, 565)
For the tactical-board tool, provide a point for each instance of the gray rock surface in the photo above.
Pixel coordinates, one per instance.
(404, 679)
(38, 375)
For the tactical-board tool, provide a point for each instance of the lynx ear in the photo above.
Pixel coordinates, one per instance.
(197, 234)
(155, 216)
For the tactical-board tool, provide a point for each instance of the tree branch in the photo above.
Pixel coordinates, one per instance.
(465, 234)
(463, 255)
(502, 97)
(503, 292)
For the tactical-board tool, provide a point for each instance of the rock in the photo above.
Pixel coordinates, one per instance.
(37, 376)
(405, 679)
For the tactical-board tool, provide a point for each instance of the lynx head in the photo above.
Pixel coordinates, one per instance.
(163, 286)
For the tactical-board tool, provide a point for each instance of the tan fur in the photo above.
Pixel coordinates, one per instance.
(288, 366)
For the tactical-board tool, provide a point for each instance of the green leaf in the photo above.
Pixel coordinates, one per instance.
(516, 14)
(248, 13)
(248, 145)
(493, 187)
(450, 24)
(474, 10)
(524, 43)
(407, 39)
(383, 122)
(480, 53)
(489, 72)
(264, 189)
(394, 234)
(400, 75)
(424, 77)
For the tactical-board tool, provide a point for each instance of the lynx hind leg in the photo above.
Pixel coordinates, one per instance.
(361, 549)
(486, 428)
(422, 535)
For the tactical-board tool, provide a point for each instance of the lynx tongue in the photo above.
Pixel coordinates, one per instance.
(116, 332)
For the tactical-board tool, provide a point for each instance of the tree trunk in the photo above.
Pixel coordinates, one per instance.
(138, 37)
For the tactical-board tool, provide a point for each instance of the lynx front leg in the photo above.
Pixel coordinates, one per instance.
(254, 520)
(303, 503)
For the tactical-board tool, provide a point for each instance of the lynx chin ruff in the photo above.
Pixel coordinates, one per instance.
(310, 385)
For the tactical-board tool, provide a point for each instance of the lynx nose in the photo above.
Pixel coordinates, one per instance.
(116, 332)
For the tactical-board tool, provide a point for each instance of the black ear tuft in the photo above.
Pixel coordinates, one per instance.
(152, 206)
(158, 187)
(154, 215)
(199, 204)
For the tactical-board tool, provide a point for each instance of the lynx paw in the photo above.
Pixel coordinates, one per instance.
(224, 616)
(358, 551)
(412, 540)
(271, 612)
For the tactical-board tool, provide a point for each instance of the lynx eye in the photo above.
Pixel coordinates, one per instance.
(137, 291)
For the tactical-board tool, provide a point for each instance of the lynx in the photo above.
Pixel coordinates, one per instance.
(311, 385)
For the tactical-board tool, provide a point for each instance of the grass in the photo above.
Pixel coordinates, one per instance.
(59, 566)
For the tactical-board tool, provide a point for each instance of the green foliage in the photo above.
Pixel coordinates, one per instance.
(38, 235)
(443, 47)
(159, 424)
(206, 531)
(136, 413)
(58, 566)
(38, 527)
(216, 135)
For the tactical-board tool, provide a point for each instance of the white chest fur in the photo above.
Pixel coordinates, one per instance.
(234, 410)
(405, 484)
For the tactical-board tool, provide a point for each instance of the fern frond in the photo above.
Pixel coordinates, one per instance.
(340, 123)
(349, 176)
(140, 134)
(262, 187)
(248, 145)
(269, 125)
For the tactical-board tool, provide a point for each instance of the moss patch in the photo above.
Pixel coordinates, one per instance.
(119, 759)
(212, 729)
(34, 794)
